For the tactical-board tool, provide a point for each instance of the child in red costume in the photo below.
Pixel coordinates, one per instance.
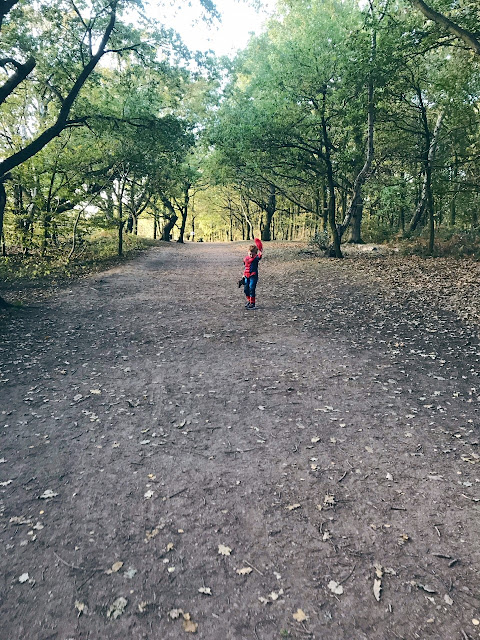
(251, 272)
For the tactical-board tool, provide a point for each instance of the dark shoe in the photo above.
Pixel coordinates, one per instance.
(247, 304)
(251, 306)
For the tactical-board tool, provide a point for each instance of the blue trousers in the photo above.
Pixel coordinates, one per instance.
(250, 286)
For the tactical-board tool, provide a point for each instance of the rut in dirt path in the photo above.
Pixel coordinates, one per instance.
(172, 463)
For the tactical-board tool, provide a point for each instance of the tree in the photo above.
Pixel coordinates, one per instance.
(469, 37)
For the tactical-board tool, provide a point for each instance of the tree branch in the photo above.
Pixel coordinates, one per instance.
(448, 24)
(22, 71)
(53, 131)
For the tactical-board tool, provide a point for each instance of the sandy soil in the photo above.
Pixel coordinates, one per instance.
(172, 464)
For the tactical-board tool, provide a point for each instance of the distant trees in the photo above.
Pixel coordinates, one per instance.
(96, 122)
(339, 106)
(360, 119)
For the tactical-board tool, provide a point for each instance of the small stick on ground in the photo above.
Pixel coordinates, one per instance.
(67, 564)
(177, 493)
(349, 575)
(254, 568)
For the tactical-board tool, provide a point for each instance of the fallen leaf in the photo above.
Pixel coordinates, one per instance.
(299, 616)
(151, 534)
(315, 440)
(24, 578)
(369, 449)
(169, 546)
(448, 599)
(80, 607)
(6, 483)
(223, 550)
(377, 589)
(116, 566)
(175, 613)
(335, 588)
(148, 494)
(189, 626)
(378, 570)
(130, 573)
(244, 571)
(117, 608)
(48, 493)
(95, 392)
(206, 590)
(292, 507)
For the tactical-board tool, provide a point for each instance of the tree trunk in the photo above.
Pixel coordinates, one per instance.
(356, 236)
(171, 219)
(3, 202)
(356, 207)
(269, 213)
(184, 212)
(335, 249)
(426, 197)
(468, 37)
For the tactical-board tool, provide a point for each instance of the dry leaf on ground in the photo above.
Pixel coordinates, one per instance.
(335, 587)
(117, 608)
(80, 607)
(223, 550)
(299, 616)
(377, 589)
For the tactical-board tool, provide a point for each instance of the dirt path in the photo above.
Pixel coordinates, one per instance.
(243, 466)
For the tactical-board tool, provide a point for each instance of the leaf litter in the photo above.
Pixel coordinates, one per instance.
(364, 498)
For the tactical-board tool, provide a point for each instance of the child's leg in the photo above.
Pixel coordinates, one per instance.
(246, 289)
(253, 286)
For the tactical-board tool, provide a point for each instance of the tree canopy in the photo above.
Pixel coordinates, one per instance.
(343, 120)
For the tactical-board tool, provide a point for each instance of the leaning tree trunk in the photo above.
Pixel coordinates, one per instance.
(269, 213)
(3, 201)
(355, 210)
(426, 197)
(335, 249)
(172, 219)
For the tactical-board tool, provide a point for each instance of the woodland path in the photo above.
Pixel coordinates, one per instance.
(272, 458)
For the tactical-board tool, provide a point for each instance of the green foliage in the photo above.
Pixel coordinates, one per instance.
(98, 252)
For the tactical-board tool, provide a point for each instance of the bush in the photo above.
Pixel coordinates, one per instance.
(95, 253)
(320, 241)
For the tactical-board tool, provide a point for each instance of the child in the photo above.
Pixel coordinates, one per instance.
(251, 274)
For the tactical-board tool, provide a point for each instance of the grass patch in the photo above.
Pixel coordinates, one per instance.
(98, 253)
